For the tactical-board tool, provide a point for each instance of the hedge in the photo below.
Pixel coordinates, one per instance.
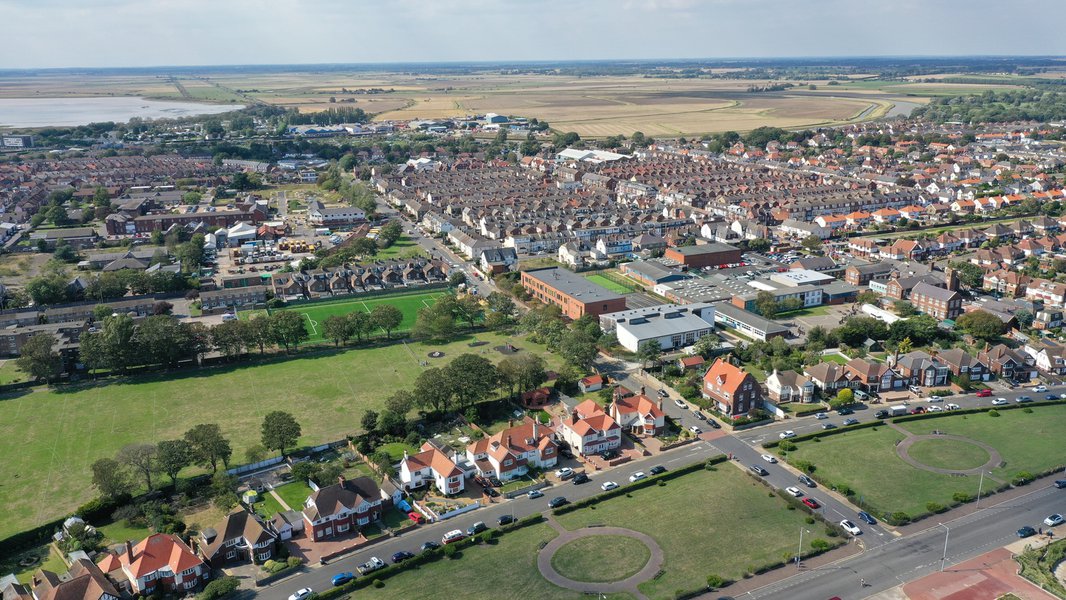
(823, 433)
(643, 483)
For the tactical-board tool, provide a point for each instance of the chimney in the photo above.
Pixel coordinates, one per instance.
(660, 404)
(642, 390)
(573, 413)
(405, 454)
(510, 422)
(536, 419)
(129, 552)
(507, 441)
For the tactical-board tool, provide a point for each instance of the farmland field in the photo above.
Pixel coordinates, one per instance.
(327, 392)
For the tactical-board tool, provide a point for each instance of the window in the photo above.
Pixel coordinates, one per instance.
(263, 556)
(188, 571)
(190, 584)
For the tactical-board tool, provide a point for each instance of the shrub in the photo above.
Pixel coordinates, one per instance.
(715, 581)
(660, 483)
(450, 551)
(293, 562)
(935, 507)
(379, 583)
(993, 413)
(219, 588)
(819, 544)
(1027, 410)
(845, 489)
(1022, 478)
(810, 520)
(805, 465)
(831, 531)
(786, 446)
(961, 497)
(898, 518)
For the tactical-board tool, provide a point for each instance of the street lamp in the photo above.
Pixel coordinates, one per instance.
(944, 556)
(980, 485)
(799, 552)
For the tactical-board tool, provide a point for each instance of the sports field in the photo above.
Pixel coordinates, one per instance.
(317, 312)
(49, 438)
(613, 281)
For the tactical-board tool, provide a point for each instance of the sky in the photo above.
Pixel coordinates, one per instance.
(137, 33)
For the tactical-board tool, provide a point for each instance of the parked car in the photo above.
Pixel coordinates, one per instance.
(850, 422)
(714, 424)
(694, 429)
(828, 426)
(812, 503)
(769, 458)
(1040, 389)
(952, 406)
(788, 433)
(301, 594)
(794, 491)
(452, 536)
(1051, 397)
(867, 518)
(807, 481)
(821, 415)
(557, 501)
(759, 470)
(609, 454)
(1060, 483)
(371, 565)
(663, 394)
(416, 517)
(476, 528)
(936, 409)
(564, 473)
(918, 410)
(534, 494)
(505, 520)
(999, 402)
(1054, 520)
(430, 546)
(495, 481)
(1026, 531)
(401, 556)
(491, 492)
(637, 476)
(1023, 399)
(699, 415)
(844, 411)
(881, 414)
(566, 452)
(935, 399)
(608, 486)
(680, 403)
(657, 469)
(581, 478)
(342, 578)
(985, 393)
(850, 527)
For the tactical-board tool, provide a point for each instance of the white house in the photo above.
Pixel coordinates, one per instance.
(639, 414)
(512, 451)
(589, 430)
(431, 465)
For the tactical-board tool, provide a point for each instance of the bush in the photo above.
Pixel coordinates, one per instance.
(219, 588)
(450, 551)
(1022, 478)
(819, 544)
(379, 583)
(935, 507)
(809, 520)
(293, 562)
(961, 497)
(831, 531)
(805, 465)
(898, 518)
(993, 413)
(1027, 410)
(786, 446)
(715, 581)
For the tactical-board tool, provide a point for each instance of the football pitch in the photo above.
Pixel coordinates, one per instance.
(316, 313)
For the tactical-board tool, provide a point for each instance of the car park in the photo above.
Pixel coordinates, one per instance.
(850, 527)
(301, 594)
(1054, 520)
(999, 402)
(794, 491)
(788, 433)
(505, 520)
(769, 458)
(821, 415)
(1026, 531)
(637, 476)
(812, 503)
(867, 518)
(401, 556)
(608, 486)
(342, 578)
(581, 478)
(807, 481)
(534, 494)
(557, 501)
(657, 469)
(850, 422)
(759, 470)
(564, 473)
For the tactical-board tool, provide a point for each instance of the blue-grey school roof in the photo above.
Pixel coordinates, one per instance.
(572, 284)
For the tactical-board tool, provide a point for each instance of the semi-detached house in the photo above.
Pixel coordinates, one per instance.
(161, 560)
(590, 430)
(512, 451)
(346, 505)
(431, 465)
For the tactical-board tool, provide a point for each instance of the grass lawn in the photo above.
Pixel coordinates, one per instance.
(609, 284)
(701, 543)
(601, 558)
(805, 312)
(506, 570)
(866, 459)
(119, 532)
(404, 247)
(73, 426)
(838, 359)
(10, 373)
(268, 506)
(44, 558)
(396, 449)
(294, 494)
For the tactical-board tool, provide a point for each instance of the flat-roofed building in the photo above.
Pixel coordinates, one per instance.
(705, 255)
(574, 294)
(673, 326)
(747, 323)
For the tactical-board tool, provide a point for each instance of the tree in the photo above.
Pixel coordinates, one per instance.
(280, 431)
(578, 349)
(361, 324)
(173, 456)
(433, 389)
(522, 372)
(65, 252)
(141, 458)
(1024, 316)
(387, 317)
(219, 588)
(904, 308)
(337, 329)
(759, 245)
(288, 328)
(229, 337)
(112, 347)
(255, 453)
(469, 309)
(812, 243)
(400, 402)
(208, 446)
(456, 278)
(162, 340)
(369, 421)
(766, 304)
(48, 288)
(471, 379)
(437, 322)
(706, 345)
(856, 330)
(111, 478)
(844, 397)
(970, 275)
(650, 352)
(38, 359)
(257, 333)
(981, 324)
(191, 198)
(868, 297)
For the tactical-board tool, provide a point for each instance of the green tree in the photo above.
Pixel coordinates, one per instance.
(140, 458)
(369, 421)
(766, 304)
(433, 390)
(288, 329)
(361, 324)
(280, 431)
(113, 347)
(162, 340)
(255, 453)
(522, 372)
(471, 378)
(904, 308)
(101, 197)
(38, 359)
(981, 324)
(111, 478)
(337, 329)
(649, 352)
(387, 317)
(706, 345)
(844, 397)
(209, 447)
(456, 278)
(229, 338)
(868, 297)
(173, 456)
(48, 288)
(812, 243)
(191, 198)
(578, 349)
(970, 275)
(469, 309)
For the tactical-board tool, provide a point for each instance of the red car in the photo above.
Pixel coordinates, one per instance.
(416, 517)
(917, 410)
(985, 393)
(812, 503)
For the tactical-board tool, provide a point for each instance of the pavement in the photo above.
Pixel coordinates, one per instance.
(990, 575)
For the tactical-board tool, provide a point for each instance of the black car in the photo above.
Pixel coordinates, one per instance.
(657, 469)
(1060, 483)
(881, 414)
(759, 470)
(581, 478)
(828, 426)
(865, 516)
(506, 520)
(1026, 531)
(565, 451)
(495, 481)
(609, 454)
(844, 411)
(557, 501)
(491, 492)
(401, 556)
(430, 546)
(476, 528)
(713, 423)
(807, 481)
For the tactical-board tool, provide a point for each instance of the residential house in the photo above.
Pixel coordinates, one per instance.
(240, 536)
(513, 450)
(497, 260)
(339, 508)
(431, 464)
(860, 275)
(789, 386)
(589, 429)
(935, 301)
(1008, 364)
(828, 377)
(1048, 292)
(592, 383)
(83, 581)
(160, 561)
(922, 369)
(874, 376)
(687, 363)
(1049, 356)
(1010, 284)
(732, 390)
(965, 365)
(638, 414)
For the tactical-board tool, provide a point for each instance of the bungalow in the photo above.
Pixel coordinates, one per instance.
(687, 363)
(241, 536)
(732, 390)
(159, 561)
(513, 450)
(348, 504)
(590, 430)
(431, 464)
(789, 386)
(638, 414)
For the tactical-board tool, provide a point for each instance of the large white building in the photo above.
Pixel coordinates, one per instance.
(672, 325)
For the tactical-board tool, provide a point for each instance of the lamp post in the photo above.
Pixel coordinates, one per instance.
(980, 486)
(944, 556)
(799, 551)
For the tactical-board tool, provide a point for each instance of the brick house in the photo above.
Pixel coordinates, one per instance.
(510, 452)
(874, 377)
(240, 536)
(346, 505)
(83, 581)
(431, 464)
(924, 370)
(1007, 363)
(936, 301)
(590, 430)
(160, 560)
(733, 390)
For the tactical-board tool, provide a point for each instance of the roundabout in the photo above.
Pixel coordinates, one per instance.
(607, 559)
(948, 454)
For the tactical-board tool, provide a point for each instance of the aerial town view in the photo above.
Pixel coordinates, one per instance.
(487, 299)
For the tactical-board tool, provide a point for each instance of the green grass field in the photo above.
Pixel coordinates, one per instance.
(48, 438)
(700, 542)
(601, 558)
(404, 247)
(866, 459)
(613, 286)
(294, 494)
(317, 312)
